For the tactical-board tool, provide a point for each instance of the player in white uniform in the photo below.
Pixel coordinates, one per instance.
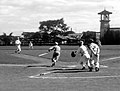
(56, 53)
(30, 45)
(95, 54)
(85, 57)
(18, 45)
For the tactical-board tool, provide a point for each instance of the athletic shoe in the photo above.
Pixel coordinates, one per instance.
(18, 52)
(53, 64)
(15, 51)
(83, 68)
(90, 69)
(96, 69)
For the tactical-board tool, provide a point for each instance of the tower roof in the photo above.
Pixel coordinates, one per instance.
(105, 12)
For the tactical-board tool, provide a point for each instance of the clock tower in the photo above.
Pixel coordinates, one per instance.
(104, 25)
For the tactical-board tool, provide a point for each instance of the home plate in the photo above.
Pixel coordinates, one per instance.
(41, 74)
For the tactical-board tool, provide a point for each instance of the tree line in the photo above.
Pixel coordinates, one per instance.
(49, 32)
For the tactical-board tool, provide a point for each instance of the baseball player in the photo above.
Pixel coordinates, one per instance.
(18, 45)
(98, 42)
(30, 45)
(85, 57)
(94, 54)
(56, 53)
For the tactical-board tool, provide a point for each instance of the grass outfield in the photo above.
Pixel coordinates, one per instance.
(17, 78)
(107, 51)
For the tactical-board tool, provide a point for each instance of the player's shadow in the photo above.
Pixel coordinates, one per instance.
(68, 70)
(39, 66)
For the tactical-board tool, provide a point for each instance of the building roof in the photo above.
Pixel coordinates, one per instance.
(115, 28)
(105, 12)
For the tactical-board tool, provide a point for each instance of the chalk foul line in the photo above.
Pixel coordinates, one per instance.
(90, 77)
(110, 58)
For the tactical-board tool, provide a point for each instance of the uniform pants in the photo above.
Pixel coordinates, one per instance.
(84, 60)
(56, 56)
(95, 61)
(18, 48)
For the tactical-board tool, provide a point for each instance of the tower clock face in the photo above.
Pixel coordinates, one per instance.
(106, 24)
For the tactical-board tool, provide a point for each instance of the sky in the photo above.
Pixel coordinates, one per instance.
(19, 16)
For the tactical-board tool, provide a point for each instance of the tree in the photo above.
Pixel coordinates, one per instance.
(53, 25)
(68, 32)
(7, 39)
(51, 28)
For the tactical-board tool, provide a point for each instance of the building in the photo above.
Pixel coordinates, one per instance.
(104, 22)
(115, 29)
(108, 35)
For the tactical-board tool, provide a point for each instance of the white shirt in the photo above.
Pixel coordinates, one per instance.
(30, 44)
(82, 50)
(94, 48)
(56, 48)
(17, 42)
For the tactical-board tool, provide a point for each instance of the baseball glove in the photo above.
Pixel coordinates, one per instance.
(73, 54)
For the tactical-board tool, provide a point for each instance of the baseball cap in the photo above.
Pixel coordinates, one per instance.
(56, 43)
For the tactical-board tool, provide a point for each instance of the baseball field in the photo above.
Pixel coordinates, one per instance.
(29, 72)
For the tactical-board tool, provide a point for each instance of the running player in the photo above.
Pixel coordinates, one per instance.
(94, 54)
(18, 45)
(30, 45)
(56, 53)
